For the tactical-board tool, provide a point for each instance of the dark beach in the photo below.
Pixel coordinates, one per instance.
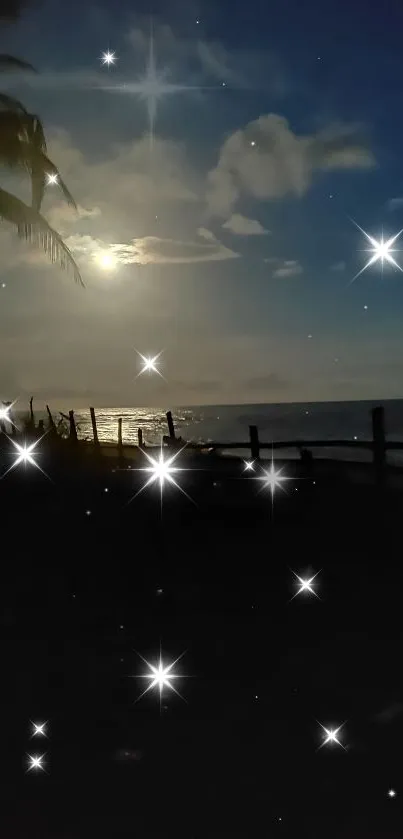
(83, 593)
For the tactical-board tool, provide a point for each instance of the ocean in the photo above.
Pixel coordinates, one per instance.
(230, 423)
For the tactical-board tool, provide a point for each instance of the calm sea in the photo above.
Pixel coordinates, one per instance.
(305, 421)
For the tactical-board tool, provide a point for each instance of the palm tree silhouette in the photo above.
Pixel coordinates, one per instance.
(23, 147)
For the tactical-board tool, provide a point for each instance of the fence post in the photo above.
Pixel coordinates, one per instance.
(170, 425)
(94, 426)
(140, 437)
(254, 442)
(73, 430)
(51, 420)
(120, 443)
(378, 445)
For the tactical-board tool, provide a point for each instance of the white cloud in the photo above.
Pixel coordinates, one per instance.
(395, 204)
(289, 268)
(338, 266)
(242, 226)
(279, 162)
(151, 250)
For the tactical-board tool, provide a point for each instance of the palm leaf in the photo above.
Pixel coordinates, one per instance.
(11, 103)
(8, 63)
(34, 228)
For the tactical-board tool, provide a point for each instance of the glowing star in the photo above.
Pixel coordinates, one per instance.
(35, 763)
(249, 466)
(162, 471)
(25, 454)
(392, 793)
(108, 58)
(381, 251)
(160, 676)
(273, 478)
(152, 87)
(331, 736)
(51, 179)
(149, 364)
(39, 729)
(305, 585)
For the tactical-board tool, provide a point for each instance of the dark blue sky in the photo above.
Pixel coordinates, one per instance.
(293, 130)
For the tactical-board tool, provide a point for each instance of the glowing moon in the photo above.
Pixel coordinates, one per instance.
(107, 261)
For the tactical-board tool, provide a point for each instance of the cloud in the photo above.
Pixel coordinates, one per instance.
(338, 266)
(242, 226)
(395, 204)
(151, 250)
(280, 162)
(289, 268)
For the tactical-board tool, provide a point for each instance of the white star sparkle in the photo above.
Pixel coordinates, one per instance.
(331, 736)
(5, 410)
(381, 250)
(149, 364)
(25, 454)
(273, 478)
(39, 729)
(152, 87)
(51, 179)
(162, 470)
(249, 466)
(305, 585)
(108, 58)
(160, 676)
(35, 763)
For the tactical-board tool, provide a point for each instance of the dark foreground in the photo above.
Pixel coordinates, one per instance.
(82, 594)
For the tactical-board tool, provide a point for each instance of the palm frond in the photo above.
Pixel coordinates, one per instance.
(12, 104)
(34, 228)
(8, 63)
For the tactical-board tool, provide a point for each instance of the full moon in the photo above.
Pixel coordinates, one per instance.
(107, 261)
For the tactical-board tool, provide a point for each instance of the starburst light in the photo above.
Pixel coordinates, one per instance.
(25, 454)
(249, 466)
(152, 87)
(35, 763)
(149, 364)
(162, 471)
(381, 250)
(330, 736)
(305, 585)
(160, 676)
(51, 179)
(39, 729)
(108, 58)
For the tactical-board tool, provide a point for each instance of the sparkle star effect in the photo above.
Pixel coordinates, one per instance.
(249, 466)
(5, 411)
(149, 364)
(152, 88)
(381, 250)
(272, 479)
(25, 454)
(160, 677)
(108, 58)
(35, 763)
(51, 179)
(162, 470)
(392, 793)
(305, 585)
(330, 736)
(39, 729)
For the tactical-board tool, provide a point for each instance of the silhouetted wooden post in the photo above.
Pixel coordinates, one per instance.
(140, 437)
(94, 427)
(254, 442)
(31, 412)
(170, 425)
(378, 450)
(120, 441)
(51, 420)
(41, 426)
(73, 430)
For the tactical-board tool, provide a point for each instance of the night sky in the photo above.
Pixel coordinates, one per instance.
(232, 231)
